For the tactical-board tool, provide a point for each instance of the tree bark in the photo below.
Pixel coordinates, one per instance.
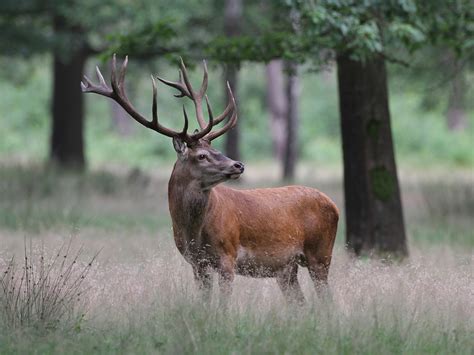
(277, 106)
(291, 130)
(374, 216)
(232, 18)
(67, 139)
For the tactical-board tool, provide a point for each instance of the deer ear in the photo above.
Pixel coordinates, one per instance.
(179, 146)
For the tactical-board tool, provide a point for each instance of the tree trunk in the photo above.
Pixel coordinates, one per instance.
(291, 129)
(374, 217)
(456, 113)
(277, 106)
(67, 140)
(232, 18)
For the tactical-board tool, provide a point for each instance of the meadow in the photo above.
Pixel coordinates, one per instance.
(140, 295)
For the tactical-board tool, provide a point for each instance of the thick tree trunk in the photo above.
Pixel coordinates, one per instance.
(291, 130)
(374, 217)
(67, 139)
(277, 105)
(232, 18)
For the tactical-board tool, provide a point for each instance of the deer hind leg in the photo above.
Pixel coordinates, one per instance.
(318, 254)
(318, 267)
(289, 285)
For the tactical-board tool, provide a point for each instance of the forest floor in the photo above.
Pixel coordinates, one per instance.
(141, 296)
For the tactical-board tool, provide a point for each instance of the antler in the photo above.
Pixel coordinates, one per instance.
(117, 92)
(186, 90)
(231, 108)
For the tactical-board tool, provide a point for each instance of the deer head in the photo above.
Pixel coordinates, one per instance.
(196, 158)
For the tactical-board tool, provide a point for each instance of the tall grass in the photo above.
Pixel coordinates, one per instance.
(43, 292)
(153, 306)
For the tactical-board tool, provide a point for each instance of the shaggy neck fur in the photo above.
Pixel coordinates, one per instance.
(188, 203)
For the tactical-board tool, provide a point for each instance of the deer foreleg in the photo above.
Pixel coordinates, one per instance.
(289, 285)
(203, 279)
(226, 275)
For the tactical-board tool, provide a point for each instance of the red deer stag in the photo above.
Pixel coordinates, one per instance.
(257, 233)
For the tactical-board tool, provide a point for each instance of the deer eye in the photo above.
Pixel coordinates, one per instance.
(202, 156)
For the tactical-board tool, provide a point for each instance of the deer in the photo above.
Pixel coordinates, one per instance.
(264, 232)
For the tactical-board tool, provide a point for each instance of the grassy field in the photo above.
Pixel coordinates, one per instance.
(141, 297)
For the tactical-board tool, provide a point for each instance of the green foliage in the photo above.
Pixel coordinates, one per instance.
(145, 27)
(305, 30)
(450, 24)
(144, 41)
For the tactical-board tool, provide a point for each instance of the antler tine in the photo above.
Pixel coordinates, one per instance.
(203, 89)
(88, 86)
(184, 75)
(209, 110)
(178, 86)
(208, 128)
(154, 105)
(113, 74)
(156, 125)
(223, 115)
(228, 108)
(86, 83)
(100, 77)
(186, 122)
(232, 120)
(123, 70)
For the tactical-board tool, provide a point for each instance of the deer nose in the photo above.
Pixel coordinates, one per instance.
(239, 166)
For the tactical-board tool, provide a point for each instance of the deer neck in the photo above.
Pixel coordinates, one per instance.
(188, 204)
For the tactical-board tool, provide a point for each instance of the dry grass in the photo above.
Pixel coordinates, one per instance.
(43, 292)
(143, 299)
